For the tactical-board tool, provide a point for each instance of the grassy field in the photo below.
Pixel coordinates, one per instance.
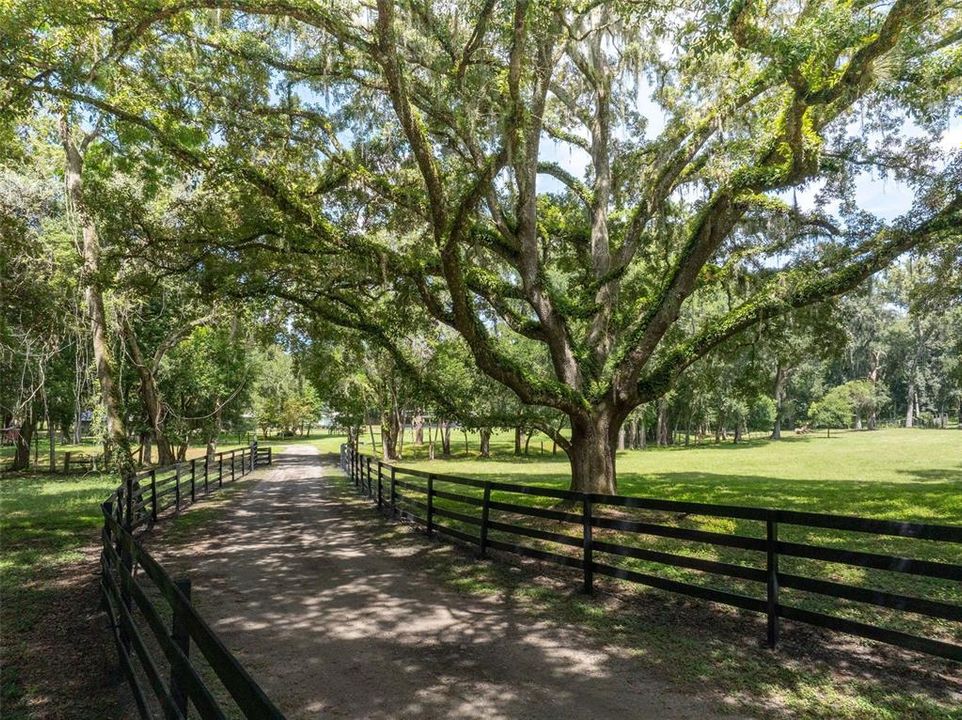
(889, 474)
(92, 447)
(49, 527)
(892, 474)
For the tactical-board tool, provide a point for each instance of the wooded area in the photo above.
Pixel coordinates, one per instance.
(584, 220)
(639, 256)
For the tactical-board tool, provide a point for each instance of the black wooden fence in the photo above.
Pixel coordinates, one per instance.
(397, 489)
(140, 597)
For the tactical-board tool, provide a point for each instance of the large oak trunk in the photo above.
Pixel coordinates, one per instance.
(592, 454)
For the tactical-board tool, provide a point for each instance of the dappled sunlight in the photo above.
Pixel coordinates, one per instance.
(307, 587)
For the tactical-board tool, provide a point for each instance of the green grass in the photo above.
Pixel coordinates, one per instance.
(47, 523)
(891, 474)
(702, 648)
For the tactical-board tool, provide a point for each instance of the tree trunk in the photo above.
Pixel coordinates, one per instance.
(910, 412)
(400, 446)
(149, 395)
(419, 430)
(517, 440)
(211, 449)
(390, 430)
(780, 377)
(662, 422)
(90, 280)
(445, 439)
(858, 421)
(77, 422)
(52, 450)
(21, 457)
(642, 434)
(592, 454)
(621, 438)
(485, 442)
(873, 377)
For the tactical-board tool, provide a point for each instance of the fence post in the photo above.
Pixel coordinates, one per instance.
(369, 493)
(233, 463)
(181, 638)
(177, 487)
(128, 523)
(108, 510)
(430, 504)
(393, 493)
(587, 555)
(771, 541)
(193, 479)
(220, 469)
(126, 558)
(153, 495)
(206, 473)
(380, 480)
(485, 510)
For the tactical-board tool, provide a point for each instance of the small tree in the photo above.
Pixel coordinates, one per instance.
(832, 411)
(864, 399)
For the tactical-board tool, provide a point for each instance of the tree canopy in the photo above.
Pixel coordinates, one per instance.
(607, 186)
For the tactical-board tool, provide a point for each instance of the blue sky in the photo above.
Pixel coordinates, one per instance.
(886, 198)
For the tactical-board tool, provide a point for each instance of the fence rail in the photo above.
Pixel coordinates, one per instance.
(139, 595)
(411, 494)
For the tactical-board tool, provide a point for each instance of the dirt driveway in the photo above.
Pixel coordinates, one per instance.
(335, 620)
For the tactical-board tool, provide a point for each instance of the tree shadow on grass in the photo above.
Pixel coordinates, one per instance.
(57, 654)
(338, 611)
(942, 475)
(332, 611)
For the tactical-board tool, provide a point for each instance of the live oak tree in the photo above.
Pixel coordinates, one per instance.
(364, 161)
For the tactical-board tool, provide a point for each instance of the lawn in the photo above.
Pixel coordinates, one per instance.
(889, 474)
(892, 474)
(49, 526)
